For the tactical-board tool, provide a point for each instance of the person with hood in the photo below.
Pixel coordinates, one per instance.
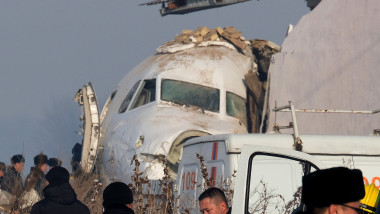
(36, 178)
(60, 197)
(118, 198)
(12, 181)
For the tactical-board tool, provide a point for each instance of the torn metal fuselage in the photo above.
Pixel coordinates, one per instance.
(167, 99)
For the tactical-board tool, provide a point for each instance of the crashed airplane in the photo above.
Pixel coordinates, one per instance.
(193, 86)
(213, 81)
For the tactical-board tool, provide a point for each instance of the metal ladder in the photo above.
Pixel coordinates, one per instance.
(290, 108)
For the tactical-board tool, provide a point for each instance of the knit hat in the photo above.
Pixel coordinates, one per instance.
(40, 159)
(117, 193)
(332, 186)
(58, 176)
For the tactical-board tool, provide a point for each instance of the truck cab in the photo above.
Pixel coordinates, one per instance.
(262, 173)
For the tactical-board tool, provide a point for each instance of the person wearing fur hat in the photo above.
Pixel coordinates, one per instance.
(118, 198)
(334, 190)
(36, 178)
(12, 181)
(60, 197)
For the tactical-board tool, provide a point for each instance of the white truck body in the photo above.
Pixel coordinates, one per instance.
(267, 164)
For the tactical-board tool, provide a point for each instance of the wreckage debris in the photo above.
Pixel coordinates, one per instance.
(260, 51)
(203, 35)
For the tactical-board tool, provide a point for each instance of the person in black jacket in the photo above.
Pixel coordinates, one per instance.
(118, 198)
(332, 190)
(60, 197)
(77, 157)
(52, 162)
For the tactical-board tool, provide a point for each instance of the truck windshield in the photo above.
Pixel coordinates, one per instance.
(236, 106)
(185, 93)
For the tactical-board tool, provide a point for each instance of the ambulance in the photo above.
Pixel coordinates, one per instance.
(262, 173)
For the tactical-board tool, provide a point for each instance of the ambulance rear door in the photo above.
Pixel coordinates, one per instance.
(269, 179)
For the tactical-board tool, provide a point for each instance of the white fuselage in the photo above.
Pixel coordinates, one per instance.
(151, 123)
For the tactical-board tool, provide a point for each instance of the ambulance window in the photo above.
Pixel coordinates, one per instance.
(184, 93)
(274, 183)
(127, 99)
(146, 93)
(236, 106)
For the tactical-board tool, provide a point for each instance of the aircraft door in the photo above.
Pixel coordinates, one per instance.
(86, 97)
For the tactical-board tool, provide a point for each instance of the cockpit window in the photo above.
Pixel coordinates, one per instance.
(236, 106)
(185, 93)
(146, 93)
(124, 105)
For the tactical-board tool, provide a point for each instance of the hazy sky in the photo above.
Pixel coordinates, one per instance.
(51, 48)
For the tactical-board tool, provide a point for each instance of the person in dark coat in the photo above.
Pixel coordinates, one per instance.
(52, 162)
(12, 181)
(60, 197)
(334, 190)
(36, 179)
(77, 157)
(118, 198)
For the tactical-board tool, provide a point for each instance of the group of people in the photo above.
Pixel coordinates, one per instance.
(51, 183)
(334, 190)
(12, 182)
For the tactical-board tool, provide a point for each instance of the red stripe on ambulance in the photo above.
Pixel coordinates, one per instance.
(214, 156)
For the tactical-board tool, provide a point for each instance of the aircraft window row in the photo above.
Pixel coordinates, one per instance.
(184, 93)
(127, 99)
(236, 106)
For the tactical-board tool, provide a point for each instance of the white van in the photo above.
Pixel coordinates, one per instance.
(269, 170)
